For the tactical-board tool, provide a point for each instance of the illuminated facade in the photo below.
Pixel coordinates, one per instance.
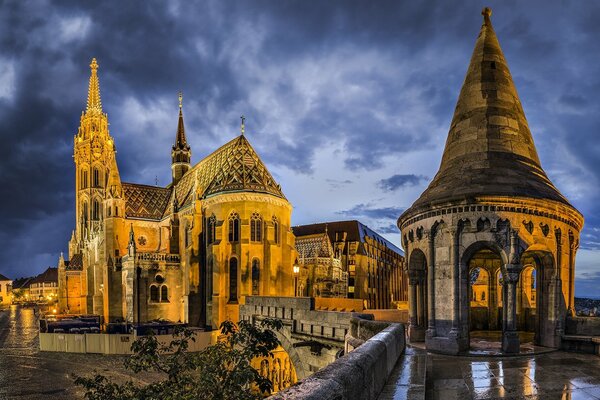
(187, 252)
(5, 290)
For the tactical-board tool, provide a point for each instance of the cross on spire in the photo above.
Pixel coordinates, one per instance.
(243, 126)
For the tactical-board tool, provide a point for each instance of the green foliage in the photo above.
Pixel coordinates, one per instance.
(221, 371)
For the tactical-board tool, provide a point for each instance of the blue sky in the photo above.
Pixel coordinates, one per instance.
(348, 103)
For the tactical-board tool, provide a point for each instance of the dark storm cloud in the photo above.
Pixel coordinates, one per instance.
(374, 81)
(366, 210)
(397, 181)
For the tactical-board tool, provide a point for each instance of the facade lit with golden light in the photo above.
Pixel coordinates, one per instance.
(189, 252)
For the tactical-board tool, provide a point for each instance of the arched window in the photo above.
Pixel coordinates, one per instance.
(116, 211)
(255, 228)
(164, 294)
(233, 279)
(211, 227)
(154, 295)
(255, 277)
(276, 230)
(83, 179)
(109, 210)
(234, 227)
(96, 178)
(85, 212)
(96, 210)
(482, 296)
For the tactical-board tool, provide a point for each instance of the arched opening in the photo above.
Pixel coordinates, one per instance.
(255, 277)
(279, 369)
(233, 280)
(417, 293)
(483, 264)
(256, 228)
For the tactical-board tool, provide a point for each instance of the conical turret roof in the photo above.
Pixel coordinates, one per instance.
(94, 104)
(180, 139)
(489, 150)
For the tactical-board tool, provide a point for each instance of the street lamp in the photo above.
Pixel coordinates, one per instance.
(296, 271)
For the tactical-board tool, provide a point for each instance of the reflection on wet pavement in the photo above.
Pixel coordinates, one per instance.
(556, 375)
(27, 373)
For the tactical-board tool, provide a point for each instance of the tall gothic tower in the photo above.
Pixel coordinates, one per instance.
(94, 153)
(181, 154)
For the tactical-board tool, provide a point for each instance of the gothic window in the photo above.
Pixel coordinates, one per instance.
(211, 227)
(85, 212)
(96, 178)
(109, 210)
(154, 295)
(83, 179)
(234, 227)
(255, 277)
(233, 280)
(482, 296)
(116, 211)
(255, 228)
(276, 230)
(164, 294)
(96, 210)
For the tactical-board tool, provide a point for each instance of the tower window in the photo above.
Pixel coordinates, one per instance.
(493, 64)
(83, 179)
(256, 228)
(276, 230)
(96, 178)
(96, 210)
(233, 280)
(234, 227)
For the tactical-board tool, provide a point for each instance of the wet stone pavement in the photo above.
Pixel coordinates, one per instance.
(26, 373)
(555, 375)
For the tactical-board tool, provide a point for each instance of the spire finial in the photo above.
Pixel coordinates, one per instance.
(93, 101)
(180, 99)
(486, 12)
(243, 126)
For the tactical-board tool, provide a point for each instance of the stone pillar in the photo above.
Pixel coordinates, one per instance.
(416, 333)
(431, 286)
(512, 270)
(455, 262)
(129, 289)
(493, 303)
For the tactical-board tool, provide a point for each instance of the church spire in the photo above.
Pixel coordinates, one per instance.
(181, 153)
(94, 104)
(489, 149)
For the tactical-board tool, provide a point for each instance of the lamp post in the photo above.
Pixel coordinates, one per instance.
(296, 271)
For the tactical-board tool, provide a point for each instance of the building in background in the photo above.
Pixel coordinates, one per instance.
(5, 290)
(44, 287)
(320, 272)
(374, 266)
(188, 252)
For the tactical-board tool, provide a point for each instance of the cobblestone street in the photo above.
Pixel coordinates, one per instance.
(27, 373)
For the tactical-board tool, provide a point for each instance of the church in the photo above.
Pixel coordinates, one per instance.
(189, 252)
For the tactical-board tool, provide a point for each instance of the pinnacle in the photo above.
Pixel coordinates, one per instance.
(94, 104)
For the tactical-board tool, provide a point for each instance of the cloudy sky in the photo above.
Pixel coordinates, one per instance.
(348, 103)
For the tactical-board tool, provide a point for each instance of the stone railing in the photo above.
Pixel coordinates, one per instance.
(170, 258)
(374, 346)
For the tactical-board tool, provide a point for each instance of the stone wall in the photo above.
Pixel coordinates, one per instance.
(360, 374)
(589, 326)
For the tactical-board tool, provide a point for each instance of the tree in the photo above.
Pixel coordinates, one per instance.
(220, 371)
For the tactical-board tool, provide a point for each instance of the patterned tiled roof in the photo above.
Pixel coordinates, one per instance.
(49, 275)
(233, 167)
(317, 245)
(75, 263)
(144, 201)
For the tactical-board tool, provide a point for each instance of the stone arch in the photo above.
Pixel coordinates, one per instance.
(417, 273)
(550, 302)
(301, 368)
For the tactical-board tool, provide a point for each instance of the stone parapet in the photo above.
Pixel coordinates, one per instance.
(360, 374)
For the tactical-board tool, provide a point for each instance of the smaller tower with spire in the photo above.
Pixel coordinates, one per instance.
(181, 154)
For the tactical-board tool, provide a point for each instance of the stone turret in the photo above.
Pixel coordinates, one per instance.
(490, 209)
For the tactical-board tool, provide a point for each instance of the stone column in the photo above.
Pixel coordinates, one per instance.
(431, 286)
(512, 270)
(455, 262)
(493, 301)
(415, 332)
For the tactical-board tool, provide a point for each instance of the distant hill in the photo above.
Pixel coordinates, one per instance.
(587, 306)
